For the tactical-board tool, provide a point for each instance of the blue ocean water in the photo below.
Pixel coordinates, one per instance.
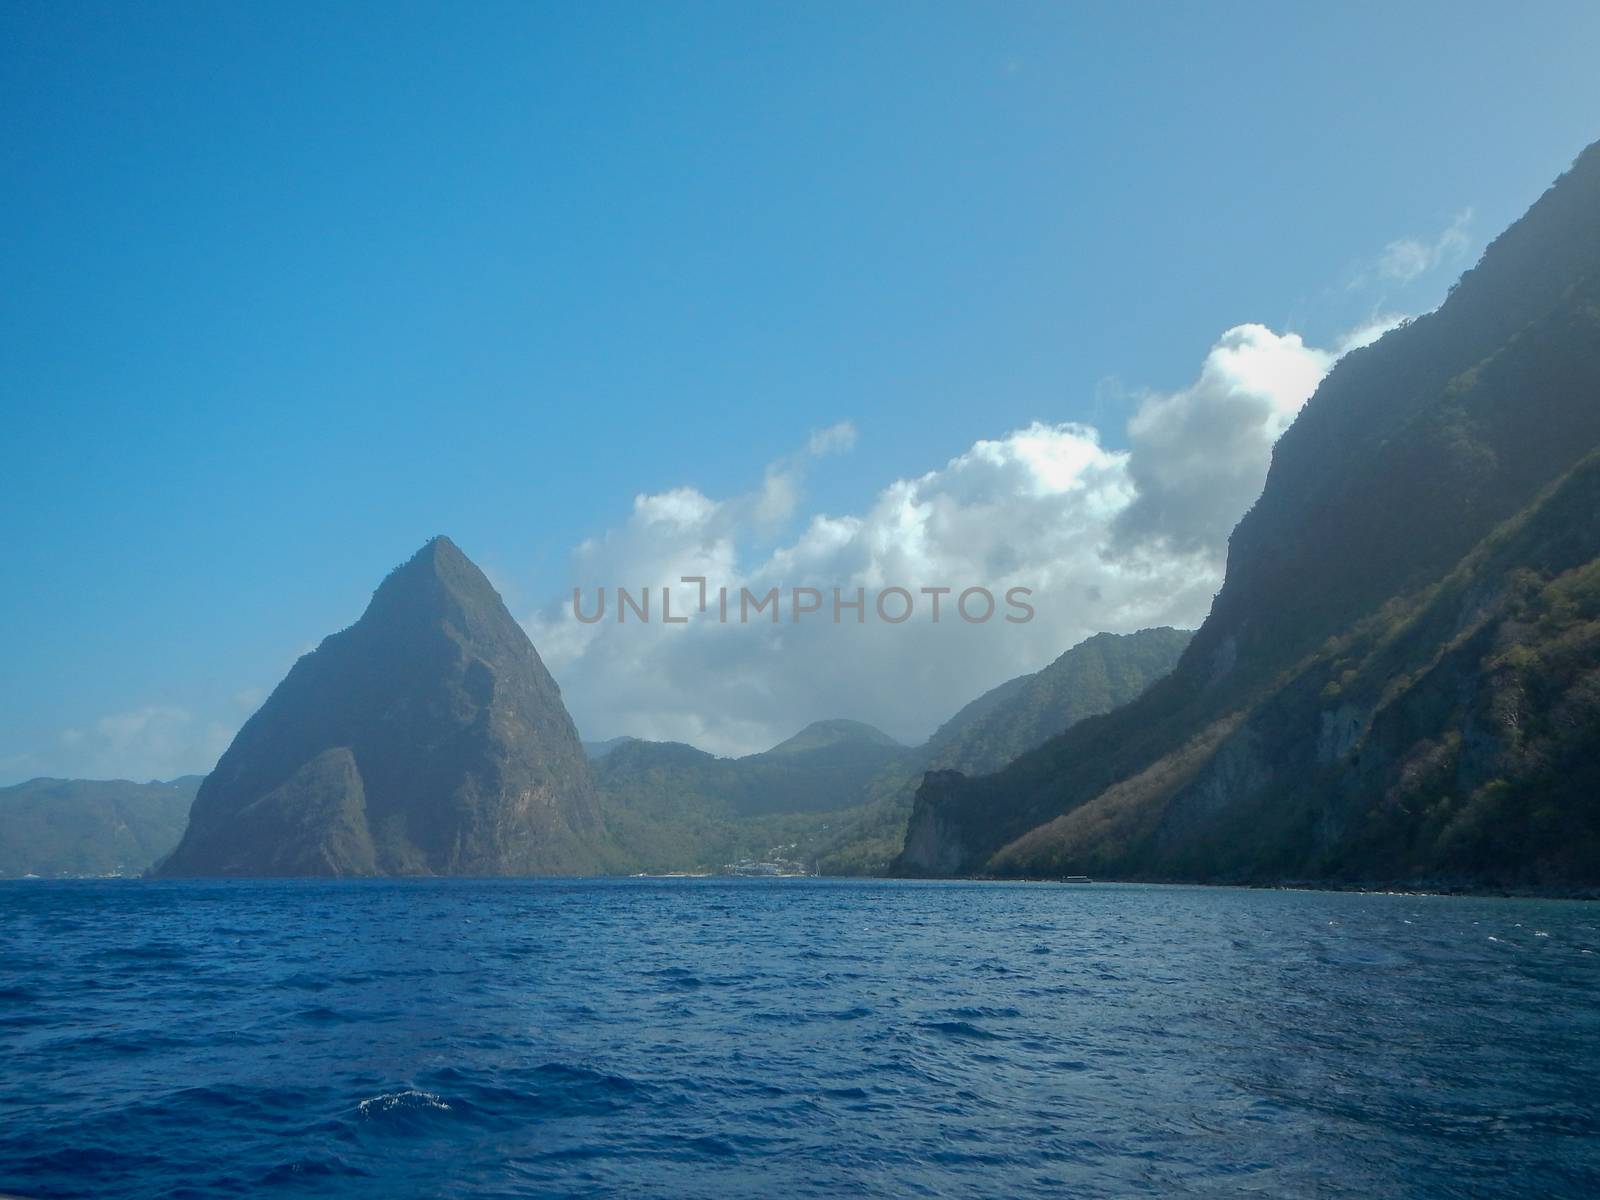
(704, 1038)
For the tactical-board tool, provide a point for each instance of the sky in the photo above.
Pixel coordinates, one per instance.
(787, 295)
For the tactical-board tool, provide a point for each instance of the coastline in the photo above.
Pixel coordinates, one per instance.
(1412, 887)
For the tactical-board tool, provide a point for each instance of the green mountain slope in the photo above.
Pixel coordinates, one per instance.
(838, 793)
(90, 826)
(1258, 758)
(671, 807)
(1093, 677)
(1453, 738)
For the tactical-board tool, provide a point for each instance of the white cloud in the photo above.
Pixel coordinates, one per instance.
(1406, 259)
(835, 439)
(1370, 331)
(1106, 539)
(153, 742)
(779, 498)
(1200, 455)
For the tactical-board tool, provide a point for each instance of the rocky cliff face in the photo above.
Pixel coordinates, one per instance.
(1451, 739)
(1092, 678)
(1404, 649)
(426, 739)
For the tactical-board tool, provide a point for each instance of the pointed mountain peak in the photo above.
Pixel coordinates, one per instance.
(440, 550)
(838, 732)
(439, 579)
(427, 738)
(441, 558)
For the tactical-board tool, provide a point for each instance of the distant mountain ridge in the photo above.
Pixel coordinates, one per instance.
(601, 749)
(671, 806)
(1403, 649)
(835, 735)
(1096, 676)
(55, 827)
(425, 739)
(837, 793)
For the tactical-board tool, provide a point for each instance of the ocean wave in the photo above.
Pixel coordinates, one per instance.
(638, 1048)
(406, 1100)
(962, 1029)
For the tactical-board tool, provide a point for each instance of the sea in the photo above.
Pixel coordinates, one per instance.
(792, 1038)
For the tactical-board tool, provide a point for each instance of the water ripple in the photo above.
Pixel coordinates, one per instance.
(814, 1038)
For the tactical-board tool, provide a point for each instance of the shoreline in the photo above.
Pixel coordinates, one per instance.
(1444, 888)
(1399, 887)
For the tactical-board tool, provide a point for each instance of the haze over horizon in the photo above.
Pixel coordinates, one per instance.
(612, 297)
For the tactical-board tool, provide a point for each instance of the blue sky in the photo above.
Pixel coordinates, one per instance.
(292, 288)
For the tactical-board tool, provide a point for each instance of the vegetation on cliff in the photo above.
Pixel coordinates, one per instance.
(1397, 679)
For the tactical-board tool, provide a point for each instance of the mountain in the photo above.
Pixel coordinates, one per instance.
(837, 794)
(601, 749)
(1397, 681)
(90, 826)
(837, 737)
(670, 806)
(822, 768)
(1093, 677)
(426, 739)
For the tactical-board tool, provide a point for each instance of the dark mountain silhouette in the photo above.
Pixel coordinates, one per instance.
(1398, 679)
(426, 739)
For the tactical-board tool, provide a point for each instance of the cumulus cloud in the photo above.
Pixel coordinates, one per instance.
(1026, 510)
(1200, 455)
(1106, 539)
